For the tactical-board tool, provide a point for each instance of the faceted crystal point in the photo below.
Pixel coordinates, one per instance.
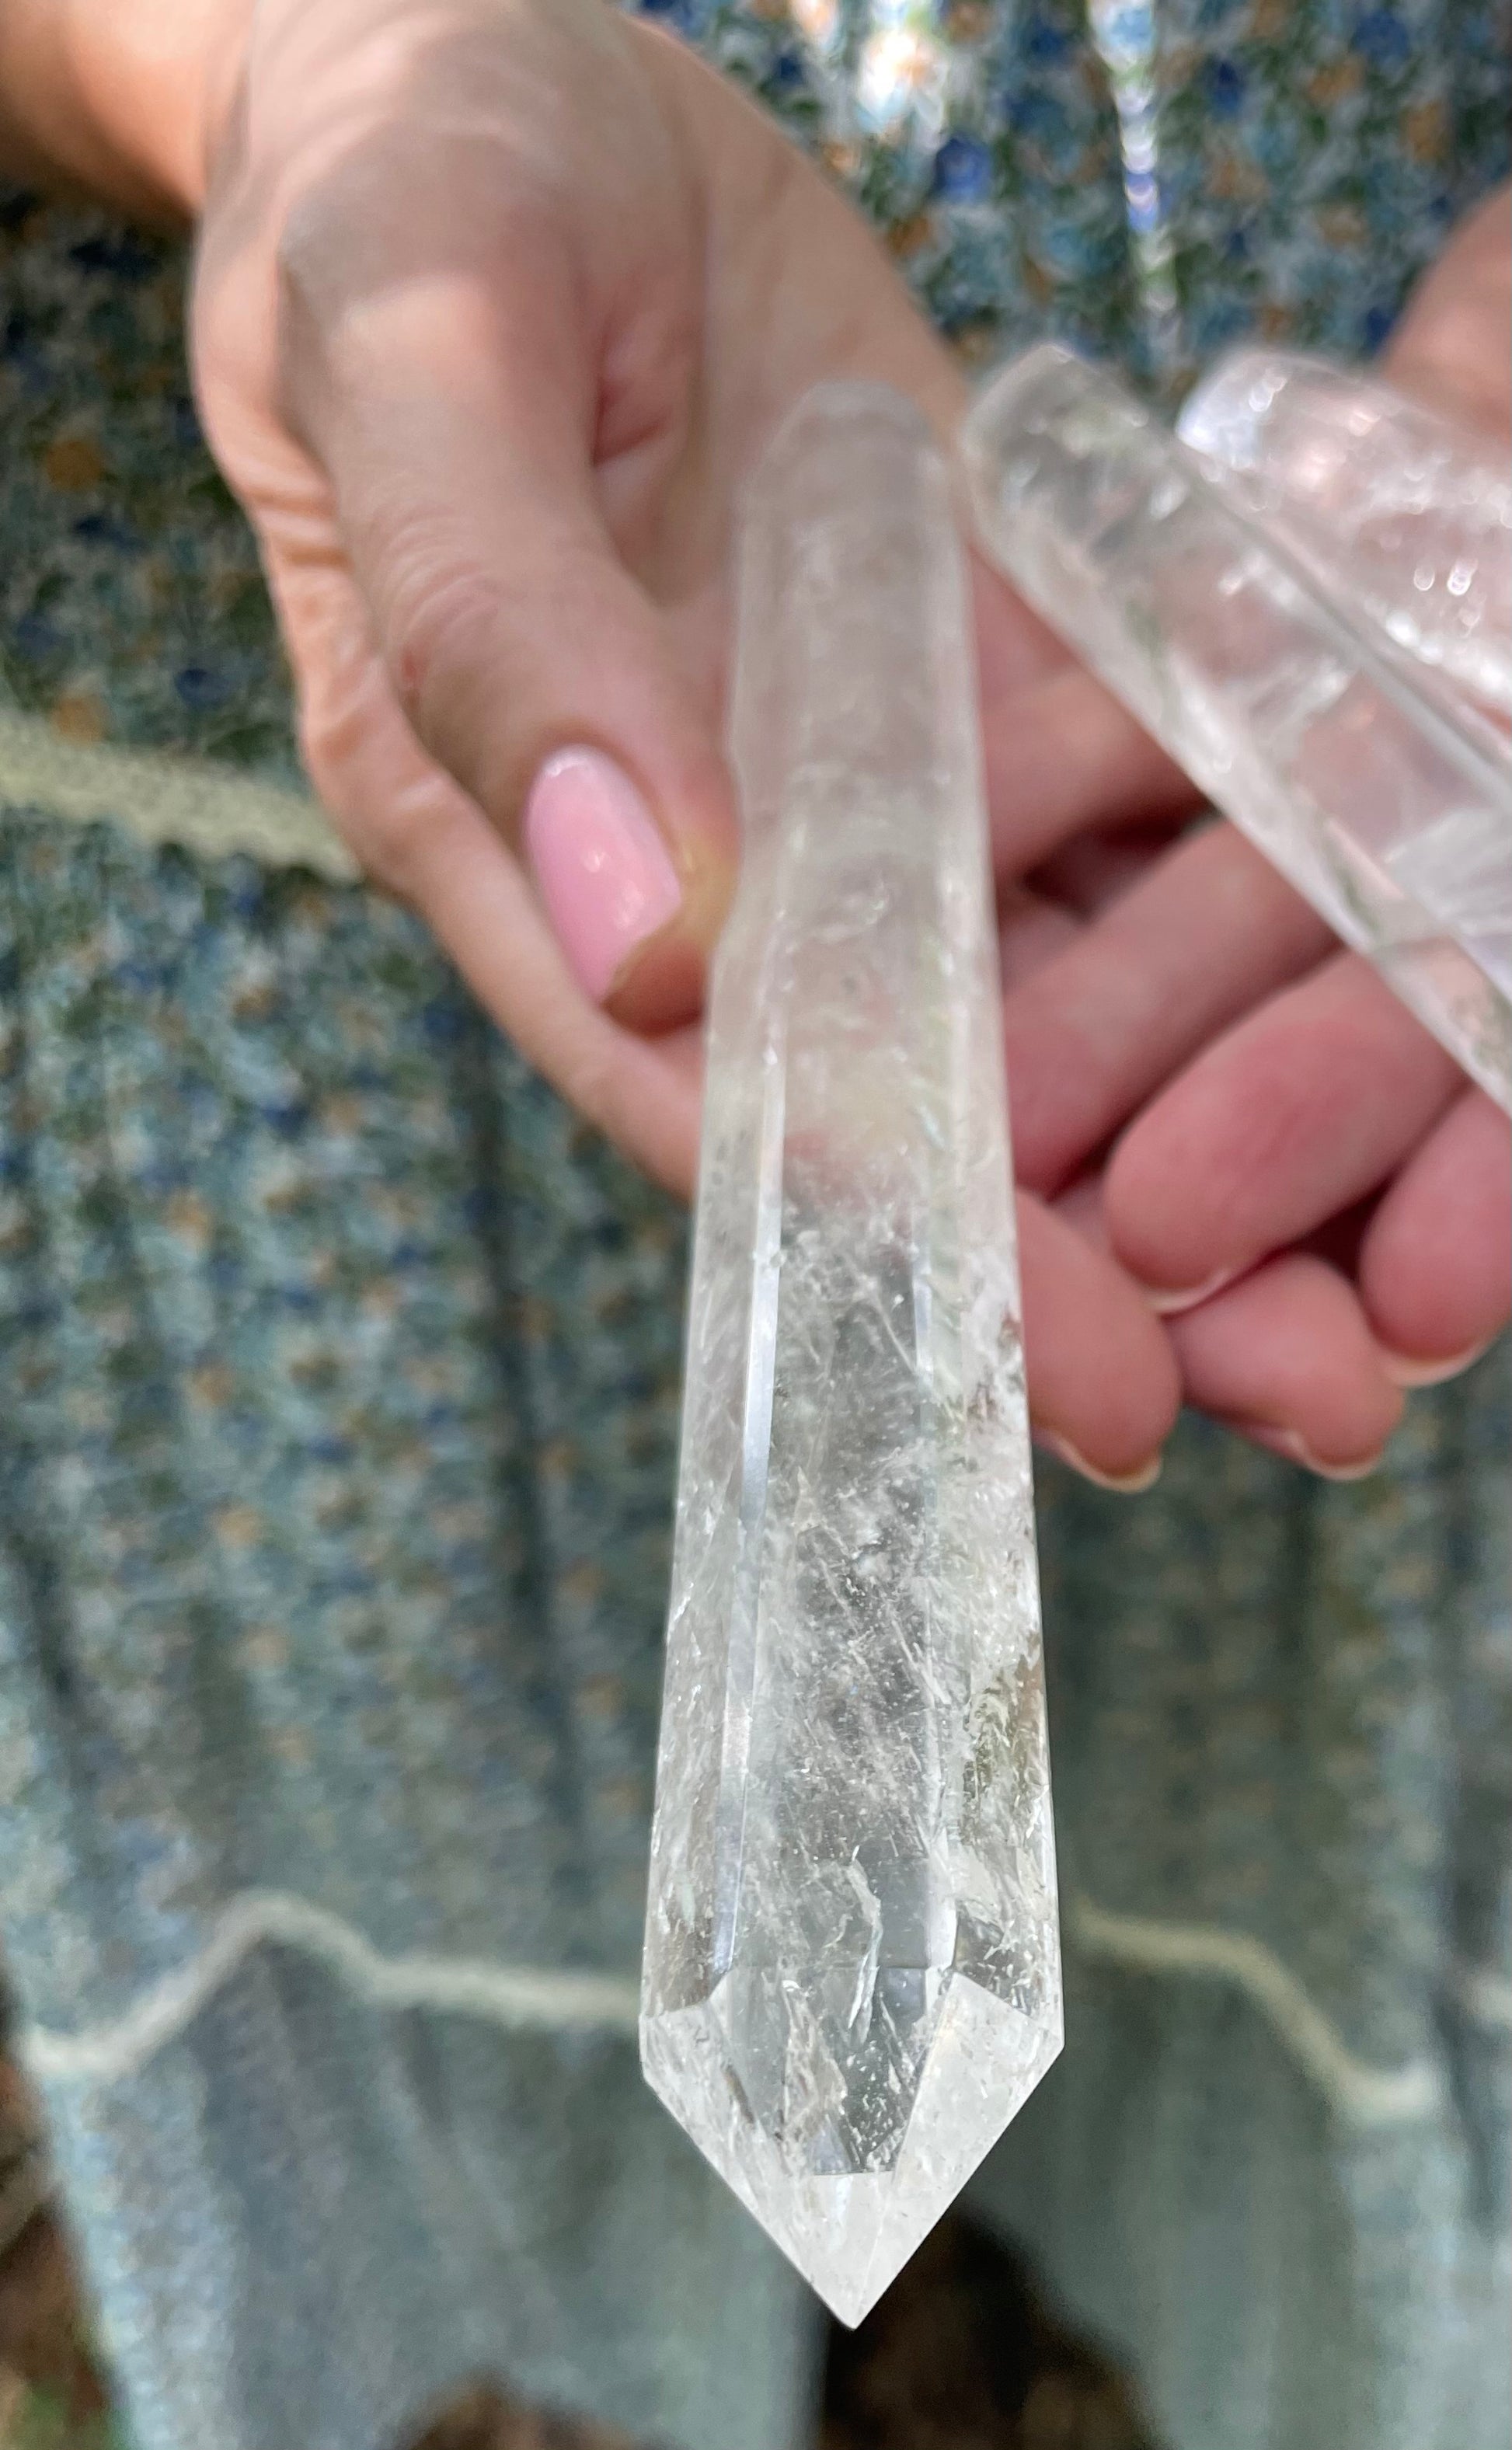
(1386, 503)
(1381, 794)
(852, 1975)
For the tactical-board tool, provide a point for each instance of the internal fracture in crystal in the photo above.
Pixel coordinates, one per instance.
(1366, 777)
(1388, 504)
(852, 1975)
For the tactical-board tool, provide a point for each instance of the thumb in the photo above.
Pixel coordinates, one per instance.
(529, 661)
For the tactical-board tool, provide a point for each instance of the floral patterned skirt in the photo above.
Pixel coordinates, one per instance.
(340, 1371)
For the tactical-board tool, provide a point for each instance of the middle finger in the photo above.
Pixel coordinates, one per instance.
(1178, 956)
(1305, 1107)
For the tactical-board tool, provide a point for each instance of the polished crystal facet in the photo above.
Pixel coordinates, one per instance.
(852, 1963)
(1367, 780)
(1387, 504)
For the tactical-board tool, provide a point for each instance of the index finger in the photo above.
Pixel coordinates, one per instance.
(1060, 753)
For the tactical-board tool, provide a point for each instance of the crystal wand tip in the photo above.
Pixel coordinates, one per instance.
(852, 1975)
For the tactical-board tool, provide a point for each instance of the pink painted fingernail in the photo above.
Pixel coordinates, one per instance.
(600, 866)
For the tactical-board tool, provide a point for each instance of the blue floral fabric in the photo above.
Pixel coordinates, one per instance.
(335, 1475)
(1155, 176)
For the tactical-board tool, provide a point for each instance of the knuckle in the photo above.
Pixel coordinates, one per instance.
(390, 829)
(472, 651)
(441, 612)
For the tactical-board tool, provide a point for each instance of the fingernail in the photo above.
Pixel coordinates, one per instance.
(1403, 1370)
(600, 866)
(1167, 1302)
(1292, 1446)
(1127, 1483)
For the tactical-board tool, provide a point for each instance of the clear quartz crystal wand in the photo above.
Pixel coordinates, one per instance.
(852, 1973)
(1386, 503)
(1364, 774)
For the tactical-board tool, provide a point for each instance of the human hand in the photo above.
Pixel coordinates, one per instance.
(1318, 1155)
(495, 303)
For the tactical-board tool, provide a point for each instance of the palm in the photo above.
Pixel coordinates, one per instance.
(498, 302)
(715, 278)
(783, 287)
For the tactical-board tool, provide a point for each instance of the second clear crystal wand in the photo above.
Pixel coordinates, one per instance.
(852, 1975)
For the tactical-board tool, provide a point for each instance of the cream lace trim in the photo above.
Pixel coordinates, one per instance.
(1366, 2095)
(192, 802)
(522, 1997)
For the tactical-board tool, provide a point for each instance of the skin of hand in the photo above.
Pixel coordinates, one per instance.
(1321, 1158)
(497, 302)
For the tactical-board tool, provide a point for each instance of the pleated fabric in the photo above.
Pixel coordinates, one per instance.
(340, 1380)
